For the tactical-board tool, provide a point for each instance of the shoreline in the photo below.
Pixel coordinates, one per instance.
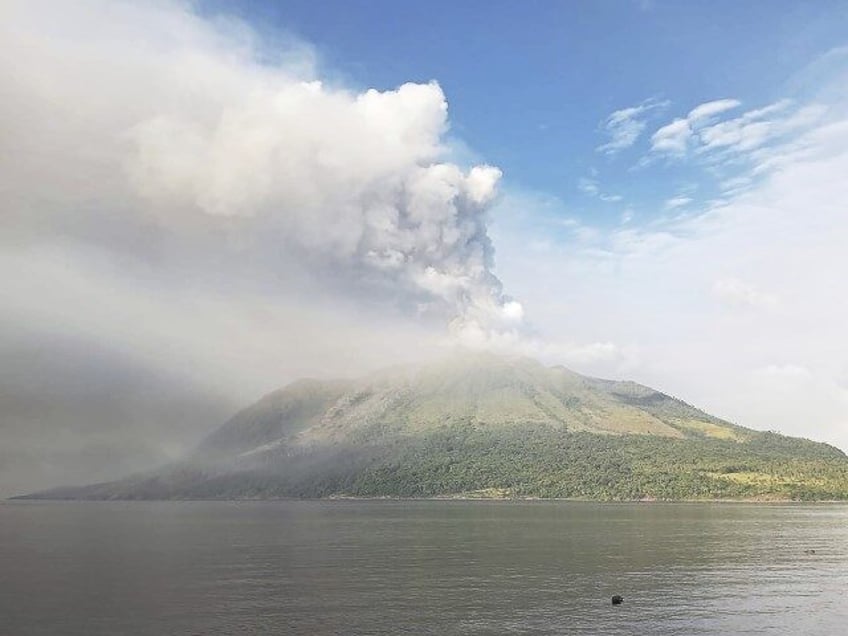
(447, 498)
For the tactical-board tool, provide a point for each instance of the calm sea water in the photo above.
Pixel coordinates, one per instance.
(421, 567)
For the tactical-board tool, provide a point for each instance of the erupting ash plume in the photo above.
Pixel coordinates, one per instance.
(352, 183)
(196, 134)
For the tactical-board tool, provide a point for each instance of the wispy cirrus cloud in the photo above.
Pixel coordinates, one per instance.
(588, 186)
(736, 152)
(674, 138)
(677, 202)
(774, 124)
(708, 110)
(701, 133)
(745, 131)
(591, 187)
(624, 127)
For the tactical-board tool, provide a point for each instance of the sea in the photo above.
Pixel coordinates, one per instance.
(351, 567)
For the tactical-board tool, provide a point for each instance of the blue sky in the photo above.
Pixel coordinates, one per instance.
(529, 84)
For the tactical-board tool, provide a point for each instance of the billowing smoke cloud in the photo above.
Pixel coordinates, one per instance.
(196, 204)
(197, 137)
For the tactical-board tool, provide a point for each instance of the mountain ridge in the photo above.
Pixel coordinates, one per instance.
(484, 423)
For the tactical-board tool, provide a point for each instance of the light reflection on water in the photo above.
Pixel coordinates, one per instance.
(421, 567)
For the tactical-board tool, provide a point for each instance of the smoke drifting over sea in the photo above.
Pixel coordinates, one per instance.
(199, 206)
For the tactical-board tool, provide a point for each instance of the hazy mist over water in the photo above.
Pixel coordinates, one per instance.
(421, 567)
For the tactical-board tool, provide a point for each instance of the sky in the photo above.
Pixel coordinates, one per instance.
(203, 201)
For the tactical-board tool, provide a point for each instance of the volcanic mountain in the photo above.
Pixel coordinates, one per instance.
(484, 425)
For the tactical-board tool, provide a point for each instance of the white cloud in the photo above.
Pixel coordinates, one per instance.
(757, 127)
(625, 126)
(591, 187)
(588, 186)
(787, 371)
(513, 311)
(735, 141)
(735, 185)
(736, 292)
(734, 307)
(584, 356)
(674, 138)
(711, 109)
(677, 202)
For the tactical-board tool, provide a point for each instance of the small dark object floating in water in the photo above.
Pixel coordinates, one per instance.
(617, 600)
(809, 551)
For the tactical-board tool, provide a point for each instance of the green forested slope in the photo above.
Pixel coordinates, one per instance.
(542, 462)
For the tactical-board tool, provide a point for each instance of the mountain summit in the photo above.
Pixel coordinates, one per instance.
(489, 426)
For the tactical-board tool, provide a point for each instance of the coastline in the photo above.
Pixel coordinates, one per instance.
(448, 498)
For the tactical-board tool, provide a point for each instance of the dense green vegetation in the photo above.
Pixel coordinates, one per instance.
(543, 462)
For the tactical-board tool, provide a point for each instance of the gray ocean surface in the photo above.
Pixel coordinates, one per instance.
(421, 567)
